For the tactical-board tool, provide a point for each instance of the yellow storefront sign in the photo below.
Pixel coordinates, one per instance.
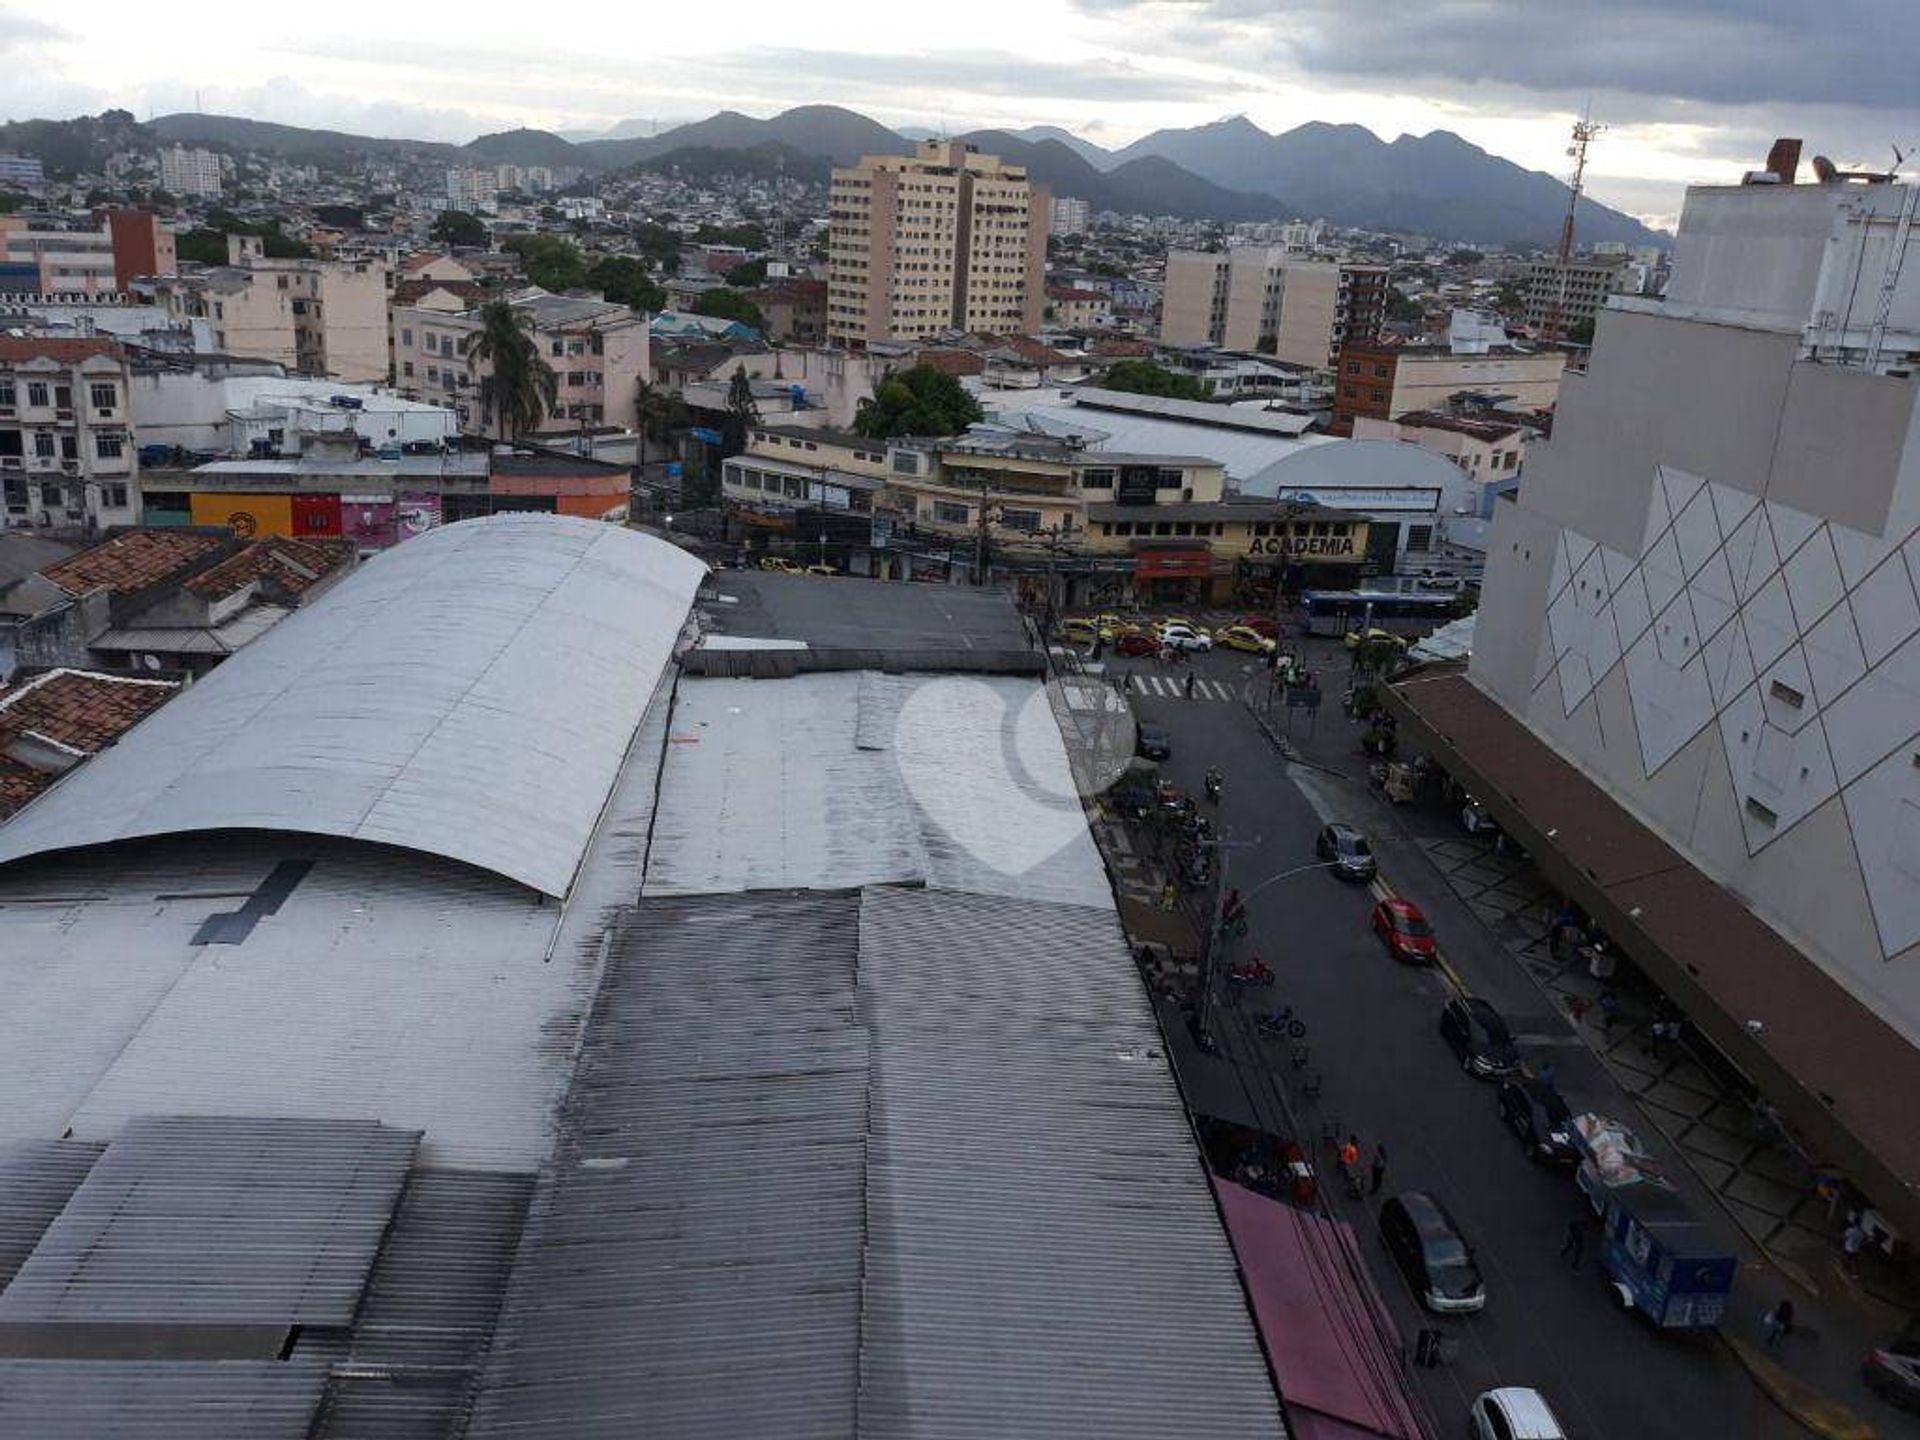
(249, 517)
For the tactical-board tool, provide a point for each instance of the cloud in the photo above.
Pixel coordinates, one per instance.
(19, 31)
(995, 73)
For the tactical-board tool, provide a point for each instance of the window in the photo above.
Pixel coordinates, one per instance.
(1168, 479)
(109, 447)
(115, 496)
(69, 447)
(7, 393)
(576, 377)
(283, 282)
(406, 336)
(1379, 372)
(406, 368)
(1379, 396)
(1419, 537)
(1513, 459)
(1353, 367)
(1096, 479)
(906, 462)
(433, 374)
(1320, 528)
(1123, 527)
(43, 446)
(945, 512)
(52, 495)
(36, 392)
(103, 398)
(1020, 519)
(559, 347)
(1161, 527)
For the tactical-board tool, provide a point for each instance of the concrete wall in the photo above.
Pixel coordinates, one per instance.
(1753, 249)
(1423, 382)
(1186, 303)
(353, 319)
(1309, 306)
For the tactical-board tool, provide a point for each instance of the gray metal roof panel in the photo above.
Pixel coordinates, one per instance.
(37, 1178)
(158, 1400)
(469, 694)
(190, 1220)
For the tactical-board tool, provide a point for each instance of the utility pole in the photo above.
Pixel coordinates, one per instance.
(1584, 132)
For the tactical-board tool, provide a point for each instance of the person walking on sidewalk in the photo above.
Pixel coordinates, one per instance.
(1777, 1323)
(1852, 1243)
(1379, 1174)
(1575, 1245)
(1189, 685)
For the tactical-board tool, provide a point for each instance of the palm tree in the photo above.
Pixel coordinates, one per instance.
(519, 386)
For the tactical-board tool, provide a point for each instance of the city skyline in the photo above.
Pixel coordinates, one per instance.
(1691, 90)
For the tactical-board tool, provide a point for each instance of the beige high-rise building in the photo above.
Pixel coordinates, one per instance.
(1259, 298)
(941, 240)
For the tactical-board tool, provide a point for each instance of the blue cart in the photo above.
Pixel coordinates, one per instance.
(1661, 1261)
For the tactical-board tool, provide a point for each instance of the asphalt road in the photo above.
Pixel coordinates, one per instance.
(1389, 1077)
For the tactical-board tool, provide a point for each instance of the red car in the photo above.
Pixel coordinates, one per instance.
(1404, 931)
(1261, 624)
(1136, 645)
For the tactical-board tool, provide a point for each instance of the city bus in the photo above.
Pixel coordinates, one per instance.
(1335, 612)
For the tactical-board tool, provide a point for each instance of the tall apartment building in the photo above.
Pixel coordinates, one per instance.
(1578, 289)
(21, 170)
(1694, 695)
(317, 317)
(1068, 216)
(53, 255)
(475, 191)
(67, 453)
(600, 352)
(944, 239)
(1261, 298)
(184, 171)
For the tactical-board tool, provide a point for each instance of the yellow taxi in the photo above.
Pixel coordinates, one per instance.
(821, 570)
(779, 564)
(1077, 631)
(1245, 637)
(1356, 638)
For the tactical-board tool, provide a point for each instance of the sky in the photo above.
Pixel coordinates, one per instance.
(1690, 90)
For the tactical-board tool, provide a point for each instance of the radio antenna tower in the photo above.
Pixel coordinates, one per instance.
(1585, 131)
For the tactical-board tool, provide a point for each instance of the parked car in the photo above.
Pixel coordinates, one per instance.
(1479, 1038)
(1431, 1253)
(1261, 625)
(781, 565)
(1893, 1371)
(1185, 637)
(1245, 637)
(1404, 930)
(1077, 631)
(1153, 742)
(1534, 1111)
(1513, 1413)
(1346, 850)
(1137, 644)
(1356, 638)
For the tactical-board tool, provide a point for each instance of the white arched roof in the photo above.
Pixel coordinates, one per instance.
(470, 693)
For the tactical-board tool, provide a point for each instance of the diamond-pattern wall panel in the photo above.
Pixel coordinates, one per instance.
(1671, 704)
(1697, 531)
(1883, 811)
(1813, 581)
(1834, 657)
(1885, 609)
(1780, 778)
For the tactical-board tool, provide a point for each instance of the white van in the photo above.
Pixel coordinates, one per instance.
(1513, 1413)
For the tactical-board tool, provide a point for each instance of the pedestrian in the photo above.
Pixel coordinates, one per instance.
(1126, 682)
(1350, 1153)
(1778, 1322)
(1547, 1074)
(1379, 1168)
(1189, 685)
(1852, 1243)
(1609, 1010)
(1575, 1245)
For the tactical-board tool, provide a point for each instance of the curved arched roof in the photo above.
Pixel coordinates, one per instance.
(470, 693)
(1354, 464)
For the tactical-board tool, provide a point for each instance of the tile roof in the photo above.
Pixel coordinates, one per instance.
(13, 347)
(132, 560)
(78, 710)
(952, 362)
(291, 567)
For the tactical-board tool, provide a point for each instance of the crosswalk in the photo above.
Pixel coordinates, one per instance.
(1174, 687)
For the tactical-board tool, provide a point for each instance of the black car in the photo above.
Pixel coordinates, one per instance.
(1431, 1253)
(1479, 1037)
(1534, 1111)
(1893, 1371)
(1346, 850)
(1153, 742)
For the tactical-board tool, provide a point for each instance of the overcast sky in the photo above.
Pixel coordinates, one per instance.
(1691, 89)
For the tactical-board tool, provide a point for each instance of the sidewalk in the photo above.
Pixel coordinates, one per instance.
(1763, 1187)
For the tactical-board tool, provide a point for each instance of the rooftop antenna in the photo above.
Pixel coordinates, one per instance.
(1585, 131)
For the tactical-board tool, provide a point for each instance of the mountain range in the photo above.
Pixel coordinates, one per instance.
(1231, 170)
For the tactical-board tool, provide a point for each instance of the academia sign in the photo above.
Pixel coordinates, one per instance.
(1329, 547)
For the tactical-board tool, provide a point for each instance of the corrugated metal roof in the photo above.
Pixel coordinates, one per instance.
(1044, 1258)
(411, 992)
(836, 780)
(692, 1264)
(193, 1220)
(1351, 464)
(469, 694)
(158, 1400)
(1243, 453)
(428, 1313)
(37, 1177)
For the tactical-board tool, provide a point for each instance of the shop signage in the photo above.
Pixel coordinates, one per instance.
(1327, 546)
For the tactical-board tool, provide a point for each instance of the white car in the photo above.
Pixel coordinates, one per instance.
(1513, 1413)
(1184, 637)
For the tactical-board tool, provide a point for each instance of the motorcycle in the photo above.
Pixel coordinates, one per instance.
(1251, 972)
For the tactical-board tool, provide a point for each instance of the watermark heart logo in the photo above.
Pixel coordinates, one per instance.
(995, 777)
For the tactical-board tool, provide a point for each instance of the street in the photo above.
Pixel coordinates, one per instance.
(1389, 1078)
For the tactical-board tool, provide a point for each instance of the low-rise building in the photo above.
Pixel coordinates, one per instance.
(61, 718)
(98, 254)
(204, 405)
(1488, 451)
(67, 453)
(795, 311)
(1075, 309)
(1387, 381)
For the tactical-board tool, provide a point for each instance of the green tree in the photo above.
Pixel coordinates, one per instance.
(1401, 307)
(1580, 332)
(623, 279)
(519, 386)
(1143, 377)
(920, 401)
(747, 237)
(747, 275)
(742, 414)
(458, 227)
(551, 262)
(726, 304)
